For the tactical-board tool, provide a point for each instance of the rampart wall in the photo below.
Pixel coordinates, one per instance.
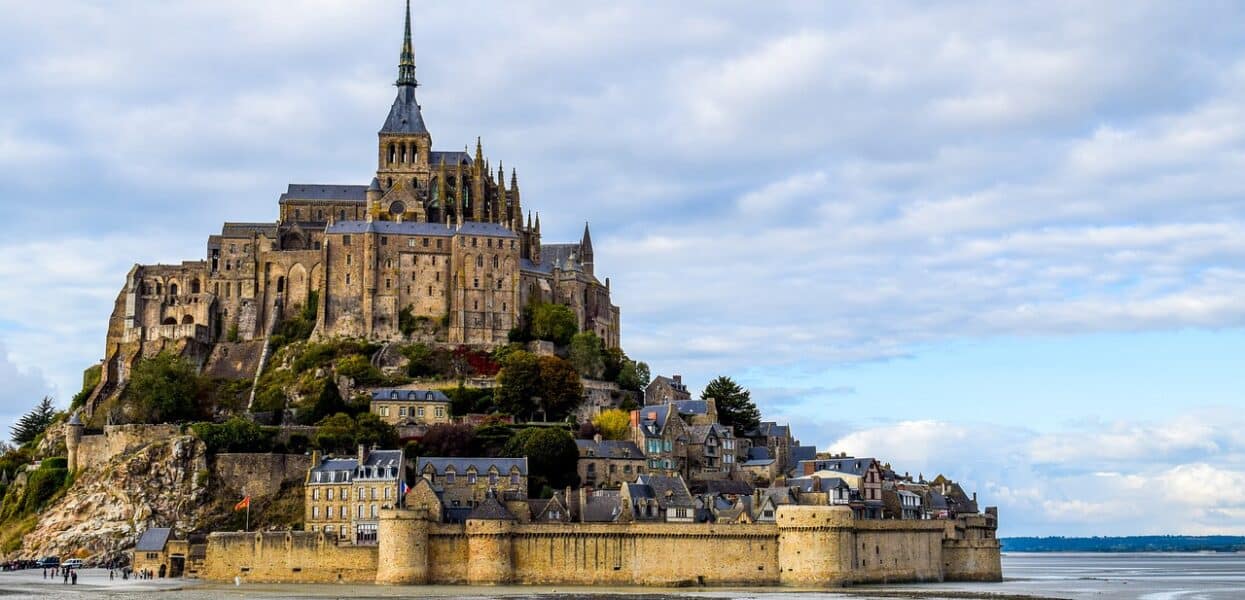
(259, 475)
(100, 448)
(809, 546)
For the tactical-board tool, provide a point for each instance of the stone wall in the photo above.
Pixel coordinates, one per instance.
(808, 546)
(258, 475)
(100, 448)
(301, 556)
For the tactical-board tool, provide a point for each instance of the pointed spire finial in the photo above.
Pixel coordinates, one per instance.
(514, 178)
(406, 63)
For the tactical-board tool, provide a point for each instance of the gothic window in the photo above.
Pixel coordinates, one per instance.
(173, 289)
(404, 148)
(393, 153)
(494, 262)
(480, 261)
(280, 285)
(194, 286)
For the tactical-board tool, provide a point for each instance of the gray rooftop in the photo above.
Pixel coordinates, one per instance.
(461, 465)
(852, 466)
(491, 510)
(409, 395)
(325, 192)
(153, 540)
(609, 449)
(404, 115)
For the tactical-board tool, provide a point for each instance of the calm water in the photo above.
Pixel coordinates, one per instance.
(1072, 576)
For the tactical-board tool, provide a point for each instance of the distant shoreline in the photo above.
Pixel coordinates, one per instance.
(1220, 544)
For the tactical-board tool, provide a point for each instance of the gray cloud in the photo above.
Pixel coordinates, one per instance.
(20, 390)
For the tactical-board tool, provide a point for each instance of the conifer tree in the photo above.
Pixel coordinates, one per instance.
(27, 428)
(735, 406)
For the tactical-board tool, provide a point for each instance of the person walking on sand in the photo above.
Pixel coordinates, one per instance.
(74, 576)
(66, 575)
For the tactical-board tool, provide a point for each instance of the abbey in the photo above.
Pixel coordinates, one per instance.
(437, 237)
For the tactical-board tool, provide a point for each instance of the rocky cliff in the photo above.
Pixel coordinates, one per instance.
(160, 484)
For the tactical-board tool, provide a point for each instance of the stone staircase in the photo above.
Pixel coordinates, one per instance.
(274, 317)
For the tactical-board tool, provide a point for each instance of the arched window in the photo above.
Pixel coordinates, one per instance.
(172, 289)
(393, 152)
(480, 261)
(280, 285)
(188, 320)
(194, 286)
(169, 321)
(404, 153)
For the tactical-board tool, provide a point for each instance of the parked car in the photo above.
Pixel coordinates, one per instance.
(48, 562)
(73, 563)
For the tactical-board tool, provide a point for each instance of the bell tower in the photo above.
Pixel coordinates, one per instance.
(405, 144)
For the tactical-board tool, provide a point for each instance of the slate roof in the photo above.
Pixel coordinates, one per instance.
(758, 453)
(560, 255)
(692, 407)
(383, 458)
(669, 491)
(609, 449)
(853, 466)
(153, 540)
(601, 507)
(453, 157)
(325, 192)
(699, 433)
(410, 395)
(335, 470)
(772, 429)
(653, 419)
(462, 464)
(799, 453)
(828, 483)
(237, 230)
(727, 486)
(457, 514)
(404, 115)
(491, 510)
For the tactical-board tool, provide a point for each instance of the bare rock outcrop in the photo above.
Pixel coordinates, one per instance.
(160, 484)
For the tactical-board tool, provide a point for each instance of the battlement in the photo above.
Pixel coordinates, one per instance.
(808, 546)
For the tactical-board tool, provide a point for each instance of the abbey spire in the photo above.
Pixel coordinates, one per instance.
(406, 63)
(405, 117)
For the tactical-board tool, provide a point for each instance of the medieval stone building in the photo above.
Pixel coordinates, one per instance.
(437, 234)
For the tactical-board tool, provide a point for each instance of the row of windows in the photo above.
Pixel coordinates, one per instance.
(653, 446)
(412, 411)
(344, 494)
(298, 214)
(451, 478)
(343, 512)
(613, 468)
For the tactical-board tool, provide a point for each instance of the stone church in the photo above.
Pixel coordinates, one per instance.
(437, 234)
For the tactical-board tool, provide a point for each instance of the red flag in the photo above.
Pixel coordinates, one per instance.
(245, 503)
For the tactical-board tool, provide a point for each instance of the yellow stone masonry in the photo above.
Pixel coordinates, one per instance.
(808, 546)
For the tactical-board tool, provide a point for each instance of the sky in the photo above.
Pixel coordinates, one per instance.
(1000, 241)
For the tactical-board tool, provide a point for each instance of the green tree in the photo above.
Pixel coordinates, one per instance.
(612, 424)
(33, 423)
(588, 355)
(551, 456)
(328, 402)
(517, 383)
(530, 386)
(371, 430)
(735, 406)
(335, 434)
(406, 320)
(633, 375)
(164, 388)
(560, 388)
(554, 323)
(446, 439)
(235, 435)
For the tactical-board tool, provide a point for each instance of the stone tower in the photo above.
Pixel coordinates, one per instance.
(73, 436)
(815, 545)
(403, 165)
(402, 552)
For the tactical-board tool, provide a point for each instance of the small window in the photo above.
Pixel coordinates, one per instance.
(474, 241)
(426, 243)
(410, 243)
(476, 282)
(438, 248)
(347, 278)
(384, 240)
(348, 259)
(345, 240)
(388, 283)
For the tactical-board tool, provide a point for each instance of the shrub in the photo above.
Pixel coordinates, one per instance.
(90, 379)
(552, 322)
(551, 456)
(55, 462)
(358, 368)
(235, 435)
(164, 388)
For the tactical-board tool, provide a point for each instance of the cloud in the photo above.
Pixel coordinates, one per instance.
(22, 389)
(1100, 479)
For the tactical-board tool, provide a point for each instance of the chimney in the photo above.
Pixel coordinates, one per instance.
(808, 468)
(678, 379)
(362, 454)
(315, 458)
(583, 503)
(635, 419)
